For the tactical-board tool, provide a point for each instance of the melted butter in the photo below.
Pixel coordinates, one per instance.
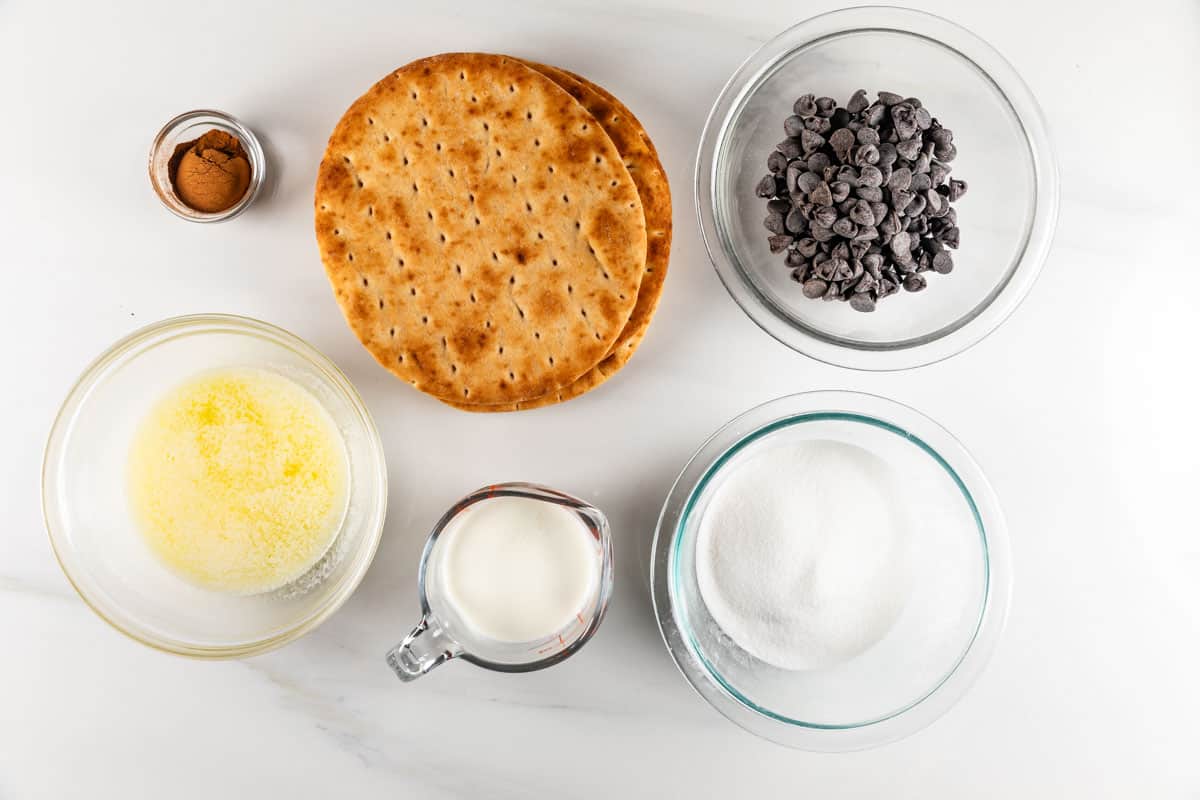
(237, 479)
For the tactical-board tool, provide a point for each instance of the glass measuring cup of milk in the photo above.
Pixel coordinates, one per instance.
(515, 577)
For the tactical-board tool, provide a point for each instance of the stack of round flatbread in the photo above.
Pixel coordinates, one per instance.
(496, 231)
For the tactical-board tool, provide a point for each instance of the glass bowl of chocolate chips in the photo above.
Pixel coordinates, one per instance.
(876, 188)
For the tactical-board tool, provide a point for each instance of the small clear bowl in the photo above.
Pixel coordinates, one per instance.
(188, 127)
(944, 633)
(98, 544)
(1007, 217)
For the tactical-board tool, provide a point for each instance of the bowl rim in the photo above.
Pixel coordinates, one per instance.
(979, 322)
(751, 426)
(199, 324)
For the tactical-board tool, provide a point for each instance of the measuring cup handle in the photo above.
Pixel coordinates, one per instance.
(422, 650)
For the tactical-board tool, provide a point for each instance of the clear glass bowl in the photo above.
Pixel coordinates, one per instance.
(1007, 217)
(940, 640)
(98, 544)
(188, 127)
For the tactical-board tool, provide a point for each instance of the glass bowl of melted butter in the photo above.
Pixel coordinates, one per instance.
(214, 487)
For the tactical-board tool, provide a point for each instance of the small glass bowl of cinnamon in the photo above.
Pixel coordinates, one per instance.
(206, 166)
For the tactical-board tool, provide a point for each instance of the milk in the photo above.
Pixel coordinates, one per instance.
(516, 569)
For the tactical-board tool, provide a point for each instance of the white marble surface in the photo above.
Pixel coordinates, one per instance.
(1082, 409)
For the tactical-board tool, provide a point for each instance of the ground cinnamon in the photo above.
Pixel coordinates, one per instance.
(212, 173)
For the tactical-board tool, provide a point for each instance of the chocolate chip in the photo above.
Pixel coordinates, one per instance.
(908, 148)
(889, 98)
(811, 142)
(821, 233)
(805, 106)
(777, 162)
(848, 174)
(957, 189)
(814, 288)
(867, 136)
(862, 301)
(795, 222)
(938, 172)
(904, 120)
(793, 172)
(841, 141)
(774, 223)
(866, 154)
(845, 227)
(890, 224)
(861, 213)
(878, 211)
(779, 243)
(821, 194)
(841, 269)
(824, 216)
(916, 206)
(943, 263)
(840, 190)
(807, 247)
(779, 206)
(857, 102)
(870, 176)
(933, 201)
(790, 148)
(899, 245)
(807, 181)
(766, 187)
(914, 283)
(900, 181)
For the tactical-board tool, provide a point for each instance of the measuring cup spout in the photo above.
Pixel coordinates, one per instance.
(425, 648)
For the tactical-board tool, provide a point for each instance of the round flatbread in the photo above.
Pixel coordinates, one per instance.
(641, 159)
(482, 234)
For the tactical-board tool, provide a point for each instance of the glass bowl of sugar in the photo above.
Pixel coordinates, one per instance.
(831, 571)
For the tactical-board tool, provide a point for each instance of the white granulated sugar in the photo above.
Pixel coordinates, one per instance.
(802, 556)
